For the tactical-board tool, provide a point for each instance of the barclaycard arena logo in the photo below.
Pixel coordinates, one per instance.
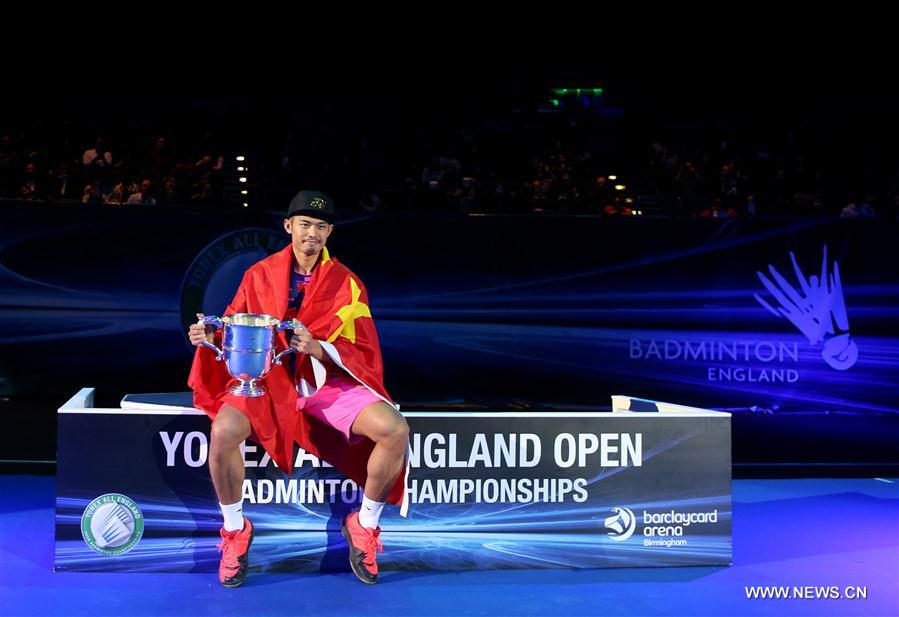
(622, 523)
(212, 279)
(662, 529)
(817, 309)
(112, 524)
(814, 305)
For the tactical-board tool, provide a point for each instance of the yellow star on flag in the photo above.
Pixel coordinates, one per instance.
(349, 314)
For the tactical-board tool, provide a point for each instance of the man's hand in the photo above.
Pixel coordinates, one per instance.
(303, 342)
(199, 334)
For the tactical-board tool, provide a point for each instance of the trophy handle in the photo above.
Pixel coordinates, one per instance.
(277, 359)
(212, 320)
(290, 324)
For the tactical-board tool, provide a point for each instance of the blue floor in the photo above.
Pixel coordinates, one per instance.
(786, 532)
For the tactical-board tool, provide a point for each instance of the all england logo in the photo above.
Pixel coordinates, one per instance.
(213, 277)
(112, 524)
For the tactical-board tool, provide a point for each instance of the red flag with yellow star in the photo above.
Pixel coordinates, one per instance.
(335, 310)
(337, 314)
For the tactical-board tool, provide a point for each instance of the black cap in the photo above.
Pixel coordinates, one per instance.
(312, 203)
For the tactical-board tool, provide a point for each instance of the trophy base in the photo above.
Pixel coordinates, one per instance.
(247, 388)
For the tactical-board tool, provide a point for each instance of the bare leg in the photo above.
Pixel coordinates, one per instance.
(388, 429)
(229, 429)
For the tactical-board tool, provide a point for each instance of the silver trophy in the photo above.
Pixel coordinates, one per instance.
(248, 348)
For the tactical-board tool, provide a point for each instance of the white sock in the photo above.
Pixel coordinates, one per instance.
(370, 512)
(233, 515)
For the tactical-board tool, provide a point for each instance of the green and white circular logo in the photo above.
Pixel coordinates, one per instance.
(112, 524)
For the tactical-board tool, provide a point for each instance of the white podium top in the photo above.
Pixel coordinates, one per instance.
(181, 403)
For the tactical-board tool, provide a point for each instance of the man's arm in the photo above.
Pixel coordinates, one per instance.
(303, 342)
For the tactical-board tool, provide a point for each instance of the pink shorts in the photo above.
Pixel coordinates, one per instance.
(337, 403)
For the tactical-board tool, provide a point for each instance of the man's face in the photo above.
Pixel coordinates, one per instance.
(308, 235)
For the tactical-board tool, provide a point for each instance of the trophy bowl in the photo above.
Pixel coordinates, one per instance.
(248, 348)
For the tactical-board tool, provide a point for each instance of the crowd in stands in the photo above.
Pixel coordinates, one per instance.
(563, 163)
(122, 174)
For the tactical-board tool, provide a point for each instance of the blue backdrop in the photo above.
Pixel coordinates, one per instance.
(791, 317)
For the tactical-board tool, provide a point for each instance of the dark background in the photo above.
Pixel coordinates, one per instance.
(808, 131)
